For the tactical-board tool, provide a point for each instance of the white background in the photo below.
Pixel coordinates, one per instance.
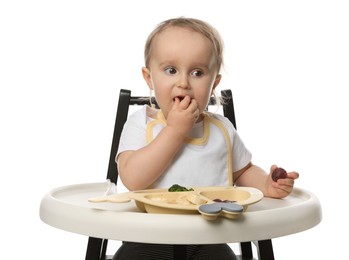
(62, 64)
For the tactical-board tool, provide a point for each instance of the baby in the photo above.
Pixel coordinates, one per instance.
(181, 142)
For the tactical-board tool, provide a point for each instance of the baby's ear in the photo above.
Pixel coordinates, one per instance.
(216, 81)
(147, 77)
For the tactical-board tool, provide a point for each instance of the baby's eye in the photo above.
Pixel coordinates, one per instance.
(170, 70)
(197, 73)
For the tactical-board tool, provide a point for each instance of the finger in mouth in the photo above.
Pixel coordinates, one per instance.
(180, 98)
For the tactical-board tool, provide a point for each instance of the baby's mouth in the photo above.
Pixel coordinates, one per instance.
(180, 98)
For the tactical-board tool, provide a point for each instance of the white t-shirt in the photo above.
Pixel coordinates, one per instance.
(211, 153)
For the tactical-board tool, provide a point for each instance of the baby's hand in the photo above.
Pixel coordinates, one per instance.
(183, 115)
(280, 187)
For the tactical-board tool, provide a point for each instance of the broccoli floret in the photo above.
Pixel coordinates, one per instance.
(176, 187)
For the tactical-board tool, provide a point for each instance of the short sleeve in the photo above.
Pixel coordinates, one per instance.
(241, 155)
(133, 135)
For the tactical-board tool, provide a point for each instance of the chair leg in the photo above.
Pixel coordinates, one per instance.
(246, 250)
(96, 249)
(265, 250)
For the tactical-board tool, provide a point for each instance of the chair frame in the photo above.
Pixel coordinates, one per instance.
(97, 247)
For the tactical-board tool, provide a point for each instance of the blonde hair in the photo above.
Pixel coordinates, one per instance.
(197, 26)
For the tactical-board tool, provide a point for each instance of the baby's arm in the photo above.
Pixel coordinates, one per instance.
(254, 176)
(139, 169)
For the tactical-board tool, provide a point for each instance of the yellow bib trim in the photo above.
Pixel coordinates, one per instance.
(198, 141)
(160, 120)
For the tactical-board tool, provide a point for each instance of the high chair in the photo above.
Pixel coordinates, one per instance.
(97, 247)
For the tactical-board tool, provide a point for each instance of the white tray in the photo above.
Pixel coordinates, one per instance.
(68, 208)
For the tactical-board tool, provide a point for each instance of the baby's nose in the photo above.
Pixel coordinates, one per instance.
(183, 82)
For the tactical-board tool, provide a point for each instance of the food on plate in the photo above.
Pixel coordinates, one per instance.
(185, 199)
(225, 201)
(196, 199)
(279, 173)
(176, 188)
(181, 200)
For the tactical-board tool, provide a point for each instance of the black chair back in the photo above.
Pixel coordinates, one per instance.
(96, 248)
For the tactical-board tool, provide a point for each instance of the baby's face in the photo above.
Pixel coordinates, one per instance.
(182, 63)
